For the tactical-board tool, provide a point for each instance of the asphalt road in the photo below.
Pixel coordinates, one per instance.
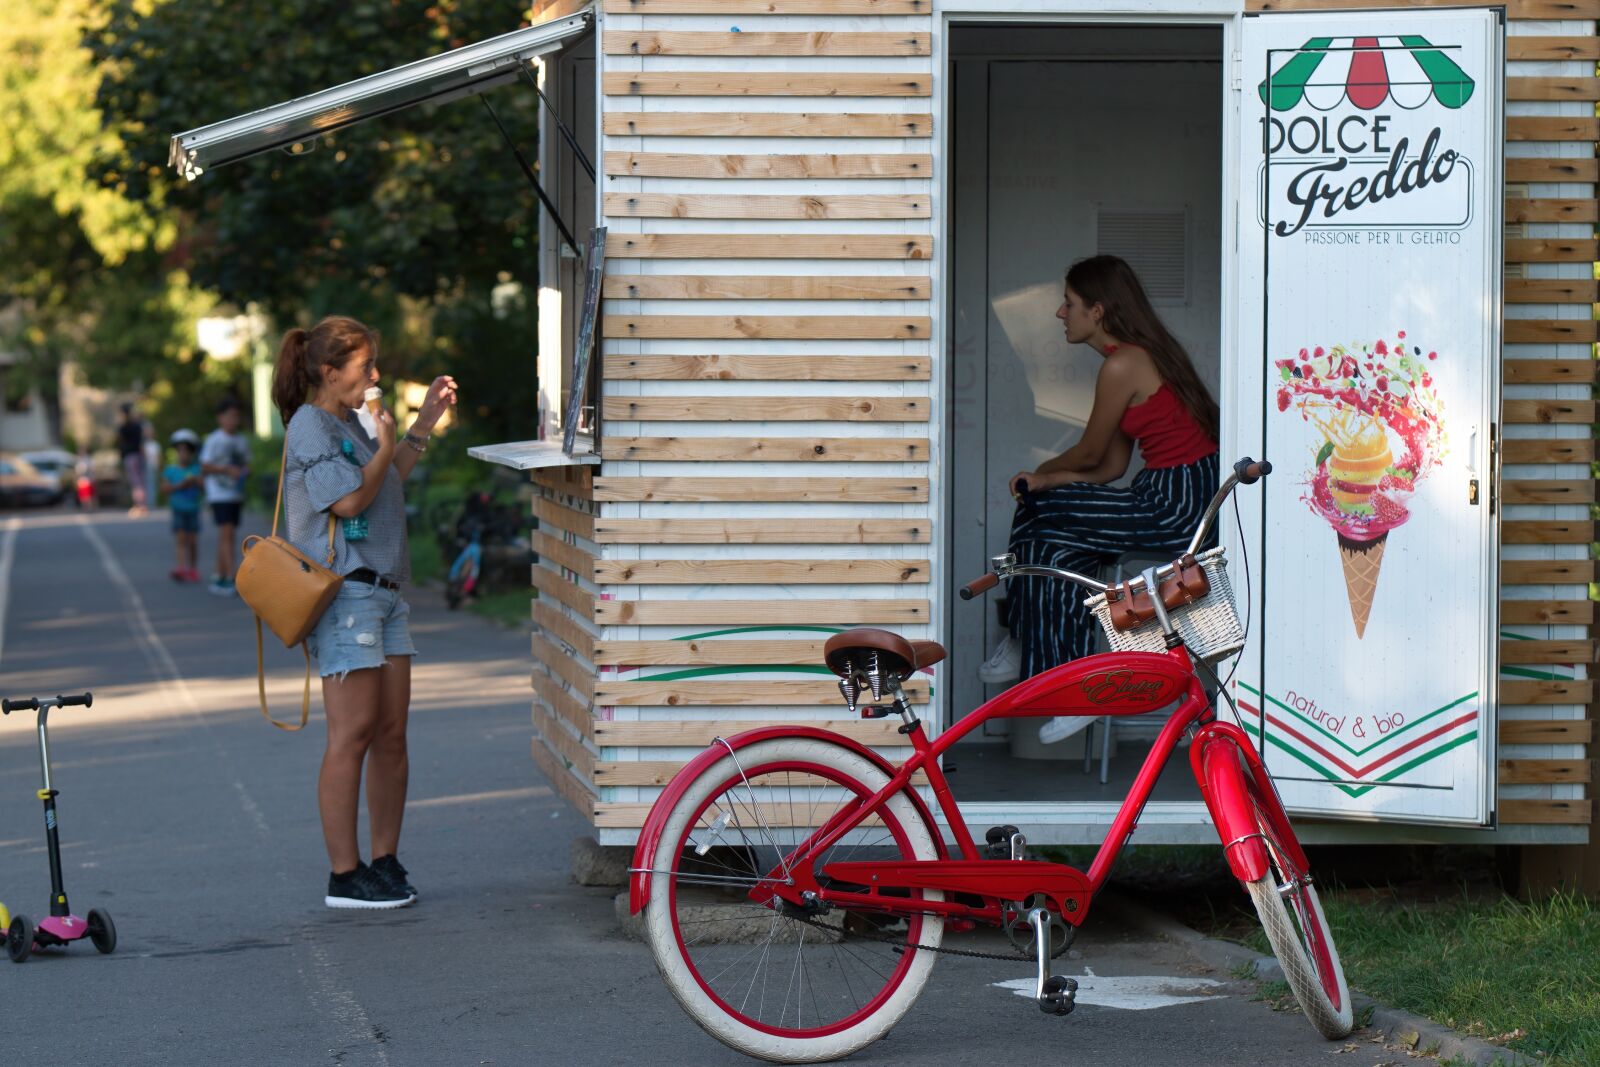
(194, 823)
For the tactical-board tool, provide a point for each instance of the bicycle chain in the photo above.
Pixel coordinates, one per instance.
(900, 945)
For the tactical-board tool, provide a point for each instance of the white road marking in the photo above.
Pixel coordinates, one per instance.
(8, 548)
(1131, 992)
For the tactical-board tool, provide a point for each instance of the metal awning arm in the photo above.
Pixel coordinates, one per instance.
(566, 131)
(566, 234)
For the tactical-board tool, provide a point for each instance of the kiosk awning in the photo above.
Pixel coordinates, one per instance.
(1405, 71)
(472, 69)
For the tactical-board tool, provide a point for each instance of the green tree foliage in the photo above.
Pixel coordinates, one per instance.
(408, 221)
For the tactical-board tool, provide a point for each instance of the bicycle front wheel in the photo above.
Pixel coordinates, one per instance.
(1291, 915)
(764, 979)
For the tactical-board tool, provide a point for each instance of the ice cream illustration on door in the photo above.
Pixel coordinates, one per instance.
(1378, 431)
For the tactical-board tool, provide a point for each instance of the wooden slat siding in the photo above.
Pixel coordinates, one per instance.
(766, 43)
(752, 693)
(1551, 250)
(1553, 88)
(761, 167)
(571, 481)
(764, 124)
(768, 449)
(571, 557)
(746, 490)
(1551, 291)
(1547, 572)
(1547, 491)
(551, 584)
(1552, 170)
(579, 794)
(563, 703)
(1531, 49)
(660, 772)
(770, 327)
(862, 611)
(1546, 731)
(1553, 652)
(1551, 331)
(765, 83)
(1544, 691)
(549, 513)
(553, 621)
(766, 408)
(761, 532)
(762, 571)
(771, 368)
(551, 10)
(1547, 450)
(564, 667)
(1546, 128)
(768, 246)
(1547, 532)
(707, 206)
(1547, 612)
(770, 7)
(1548, 371)
(694, 733)
(1542, 10)
(1543, 812)
(759, 287)
(1552, 210)
(1542, 771)
(707, 653)
(559, 738)
(1531, 412)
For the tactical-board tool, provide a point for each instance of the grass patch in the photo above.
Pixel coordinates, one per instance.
(509, 608)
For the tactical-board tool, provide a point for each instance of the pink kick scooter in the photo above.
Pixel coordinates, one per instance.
(21, 935)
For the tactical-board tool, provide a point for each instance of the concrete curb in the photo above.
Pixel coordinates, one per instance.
(1404, 1028)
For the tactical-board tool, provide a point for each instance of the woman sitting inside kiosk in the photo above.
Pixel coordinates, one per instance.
(1146, 394)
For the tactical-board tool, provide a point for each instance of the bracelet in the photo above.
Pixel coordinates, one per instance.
(416, 442)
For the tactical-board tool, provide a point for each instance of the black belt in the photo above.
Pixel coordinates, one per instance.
(369, 576)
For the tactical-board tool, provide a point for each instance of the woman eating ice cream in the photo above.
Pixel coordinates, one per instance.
(362, 643)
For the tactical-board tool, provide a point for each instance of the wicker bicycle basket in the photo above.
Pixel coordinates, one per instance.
(1209, 627)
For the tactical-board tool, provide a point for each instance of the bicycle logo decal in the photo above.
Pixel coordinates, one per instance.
(1127, 687)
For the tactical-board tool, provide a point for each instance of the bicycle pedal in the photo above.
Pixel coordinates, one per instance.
(1060, 995)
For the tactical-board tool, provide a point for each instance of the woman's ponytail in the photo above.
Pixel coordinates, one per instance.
(290, 380)
(303, 354)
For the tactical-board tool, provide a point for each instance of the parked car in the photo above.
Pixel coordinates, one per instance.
(23, 485)
(56, 463)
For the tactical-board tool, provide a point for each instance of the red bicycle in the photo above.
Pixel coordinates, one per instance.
(796, 886)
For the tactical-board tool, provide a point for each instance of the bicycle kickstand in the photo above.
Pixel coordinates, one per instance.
(1055, 993)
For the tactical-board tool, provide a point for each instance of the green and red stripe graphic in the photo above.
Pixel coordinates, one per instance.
(1403, 71)
(1400, 750)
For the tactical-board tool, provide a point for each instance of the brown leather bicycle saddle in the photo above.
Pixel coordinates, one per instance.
(845, 653)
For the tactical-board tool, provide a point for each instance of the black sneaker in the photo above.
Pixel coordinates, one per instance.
(364, 887)
(390, 868)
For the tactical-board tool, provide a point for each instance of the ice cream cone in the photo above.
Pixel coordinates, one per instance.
(1362, 562)
(373, 398)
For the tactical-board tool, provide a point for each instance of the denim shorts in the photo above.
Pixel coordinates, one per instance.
(185, 521)
(364, 624)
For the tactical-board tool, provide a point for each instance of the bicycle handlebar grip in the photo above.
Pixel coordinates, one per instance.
(1250, 471)
(85, 699)
(8, 706)
(980, 586)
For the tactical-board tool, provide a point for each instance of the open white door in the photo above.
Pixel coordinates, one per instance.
(1369, 248)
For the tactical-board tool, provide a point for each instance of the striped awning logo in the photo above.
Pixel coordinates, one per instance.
(1404, 71)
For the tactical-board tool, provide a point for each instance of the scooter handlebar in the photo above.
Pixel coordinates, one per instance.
(32, 703)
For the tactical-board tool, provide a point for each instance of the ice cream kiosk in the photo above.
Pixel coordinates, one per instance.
(799, 262)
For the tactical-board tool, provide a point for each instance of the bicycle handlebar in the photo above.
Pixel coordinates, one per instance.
(35, 703)
(1245, 472)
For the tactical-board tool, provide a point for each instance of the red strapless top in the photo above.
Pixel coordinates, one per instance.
(1165, 432)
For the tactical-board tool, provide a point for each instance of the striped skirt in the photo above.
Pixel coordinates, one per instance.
(1082, 527)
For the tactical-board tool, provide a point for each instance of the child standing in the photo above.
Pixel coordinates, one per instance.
(183, 480)
(225, 459)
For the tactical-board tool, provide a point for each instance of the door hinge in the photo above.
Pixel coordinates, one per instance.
(1494, 467)
(1236, 78)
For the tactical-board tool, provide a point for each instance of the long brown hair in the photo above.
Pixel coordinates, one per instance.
(1111, 283)
(303, 354)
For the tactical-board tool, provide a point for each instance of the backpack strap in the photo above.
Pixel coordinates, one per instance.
(261, 685)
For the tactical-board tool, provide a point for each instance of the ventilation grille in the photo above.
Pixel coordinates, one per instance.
(1155, 244)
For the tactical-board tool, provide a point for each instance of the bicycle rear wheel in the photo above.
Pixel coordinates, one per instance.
(1291, 915)
(764, 979)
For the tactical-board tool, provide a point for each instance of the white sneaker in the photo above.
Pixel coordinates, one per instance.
(1062, 727)
(1005, 665)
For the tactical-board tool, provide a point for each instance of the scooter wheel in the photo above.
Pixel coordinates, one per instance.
(102, 931)
(19, 939)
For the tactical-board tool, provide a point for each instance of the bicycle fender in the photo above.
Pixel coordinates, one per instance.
(644, 852)
(1215, 754)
